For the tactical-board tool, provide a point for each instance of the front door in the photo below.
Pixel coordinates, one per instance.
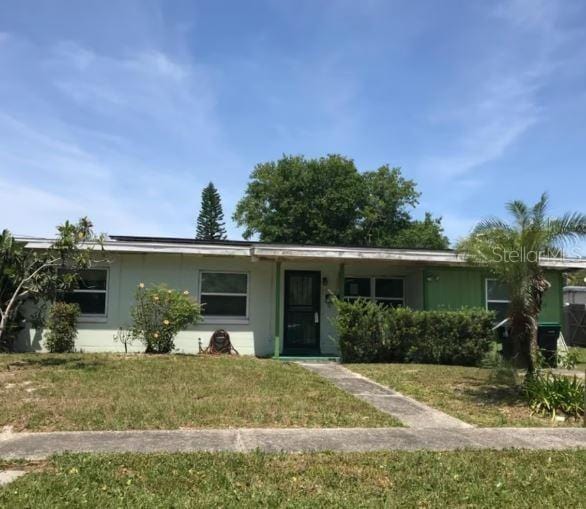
(302, 312)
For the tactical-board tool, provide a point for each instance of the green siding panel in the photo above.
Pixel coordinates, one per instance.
(453, 288)
(456, 288)
(551, 310)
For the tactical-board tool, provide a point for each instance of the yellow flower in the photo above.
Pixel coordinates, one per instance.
(166, 322)
(169, 291)
(156, 334)
(155, 297)
(141, 285)
(185, 292)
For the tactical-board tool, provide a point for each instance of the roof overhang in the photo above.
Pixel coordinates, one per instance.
(299, 252)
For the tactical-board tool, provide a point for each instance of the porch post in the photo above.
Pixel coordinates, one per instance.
(341, 277)
(278, 310)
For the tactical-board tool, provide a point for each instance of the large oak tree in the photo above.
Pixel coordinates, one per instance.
(328, 201)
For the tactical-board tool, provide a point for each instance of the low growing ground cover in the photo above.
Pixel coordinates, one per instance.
(393, 479)
(41, 392)
(476, 395)
(580, 352)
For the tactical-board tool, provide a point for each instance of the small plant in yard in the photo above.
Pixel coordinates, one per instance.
(62, 325)
(550, 394)
(159, 313)
(124, 337)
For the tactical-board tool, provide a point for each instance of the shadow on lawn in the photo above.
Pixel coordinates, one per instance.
(496, 391)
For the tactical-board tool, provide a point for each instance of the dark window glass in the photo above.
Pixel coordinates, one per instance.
(390, 288)
(500, 308)
(357, 287)
(495, 290)
(217, 282)
(224, 305)
(89, 303)
(93, 279)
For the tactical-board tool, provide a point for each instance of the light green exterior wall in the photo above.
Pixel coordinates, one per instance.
(425, 288)
(456, 288)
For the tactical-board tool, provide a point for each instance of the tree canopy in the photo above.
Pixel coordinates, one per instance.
(210, 221)
(27, 274)
(328, 201)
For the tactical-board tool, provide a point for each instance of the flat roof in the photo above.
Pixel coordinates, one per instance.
(276, 251)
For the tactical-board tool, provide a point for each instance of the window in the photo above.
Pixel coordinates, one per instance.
(388, 291)
(497, 298)
(224, 294)
(355, 287)
(91, 292)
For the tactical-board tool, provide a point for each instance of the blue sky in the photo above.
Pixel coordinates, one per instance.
(123, 111)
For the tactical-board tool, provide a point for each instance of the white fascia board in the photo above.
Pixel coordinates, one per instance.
(152, 247)
(564, 263)
(302, 252)
(335, 253)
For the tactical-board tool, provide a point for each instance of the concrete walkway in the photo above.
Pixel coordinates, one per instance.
(410, 412)
(41, 445)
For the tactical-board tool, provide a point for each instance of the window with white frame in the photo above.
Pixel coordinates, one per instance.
(91, 292)
(497, 298)
(224, 294)
(388, 291)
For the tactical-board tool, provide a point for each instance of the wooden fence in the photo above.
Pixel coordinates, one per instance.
(575, 324)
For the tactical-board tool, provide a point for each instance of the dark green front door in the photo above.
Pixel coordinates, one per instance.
(302, 312)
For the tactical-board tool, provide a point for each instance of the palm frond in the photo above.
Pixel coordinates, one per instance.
(539, 209)
(520, 211)
(567, 229)
(491, 224)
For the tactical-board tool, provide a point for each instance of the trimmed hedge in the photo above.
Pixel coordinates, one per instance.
(369, 332)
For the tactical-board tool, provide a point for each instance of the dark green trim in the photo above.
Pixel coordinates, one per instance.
(277, 310)
(425, 297)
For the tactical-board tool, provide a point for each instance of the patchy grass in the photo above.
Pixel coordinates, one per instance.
(479, 396)
(395, 479)
(44, 392)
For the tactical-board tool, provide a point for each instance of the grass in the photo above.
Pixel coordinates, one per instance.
(581, 353)
(394, 479)
(41, 392)
(474, 395)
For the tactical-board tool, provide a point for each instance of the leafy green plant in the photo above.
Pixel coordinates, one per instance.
(369, 332)
(159, 313)
(62, 325)
(550, 394)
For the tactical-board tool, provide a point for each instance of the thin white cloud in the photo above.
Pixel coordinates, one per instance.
(102, 159)
(506, 103)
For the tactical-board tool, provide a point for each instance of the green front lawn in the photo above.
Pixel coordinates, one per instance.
(40, 392)
(474, 395)
(395, 479)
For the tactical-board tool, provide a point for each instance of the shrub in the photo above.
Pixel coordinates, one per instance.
(159, 313)
(549, 394)
(62, 325)
(369, 332)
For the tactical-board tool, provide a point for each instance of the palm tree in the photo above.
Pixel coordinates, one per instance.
(512, 252)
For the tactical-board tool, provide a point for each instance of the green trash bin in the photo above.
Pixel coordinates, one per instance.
(547, 341)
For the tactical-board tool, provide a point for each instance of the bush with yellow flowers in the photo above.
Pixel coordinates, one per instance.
(159, 314)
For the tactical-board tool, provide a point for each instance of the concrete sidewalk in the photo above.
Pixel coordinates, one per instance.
(41, 445)
(410, 412)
